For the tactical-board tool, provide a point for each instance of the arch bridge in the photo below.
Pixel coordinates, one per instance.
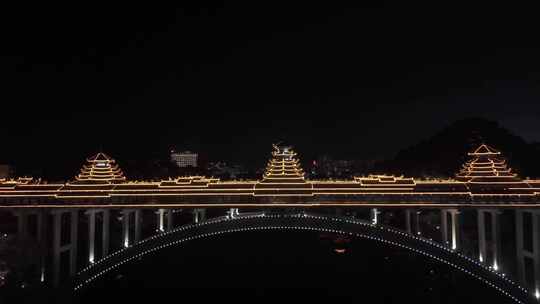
(486, 186)
(303, 221)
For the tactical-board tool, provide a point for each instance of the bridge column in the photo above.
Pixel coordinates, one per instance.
(58, 247)
(482, 250)
(42, 240)
(528, 256)
(92, 213)
(520, 250)
(374, 216)
(456, 235)
(170, 220)
(233, 212)
(160, 220)
(412, 221)
(57, 230)
(165, 220)
(73, 245)
(41, 225)
(199, 215)
(22, 224)
(91, 234)
(138, 220)
(408, 225)
(106, 233)
(125, 226)
(494, 246)
(496, 239)
(417, 228)
(36, 237)
(444, 227)
(452, 239)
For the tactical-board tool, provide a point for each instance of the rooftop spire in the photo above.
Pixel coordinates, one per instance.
(484, 149)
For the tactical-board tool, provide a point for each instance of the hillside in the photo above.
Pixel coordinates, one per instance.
(443, 154)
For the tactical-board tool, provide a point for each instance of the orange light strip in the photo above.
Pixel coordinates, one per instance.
(274, 205)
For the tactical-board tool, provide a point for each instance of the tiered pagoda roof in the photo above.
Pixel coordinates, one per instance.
(487, 172)
(100, 169)
(283, 172)
(486, 166)
(283, 167)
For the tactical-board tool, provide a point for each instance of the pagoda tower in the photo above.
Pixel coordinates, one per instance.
(100, 169)
(488, 171)
(283, 175)
(283, 167)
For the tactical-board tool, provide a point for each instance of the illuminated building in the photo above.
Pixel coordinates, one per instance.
(184, 159)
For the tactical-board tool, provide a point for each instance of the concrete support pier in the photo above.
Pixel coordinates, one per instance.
(199, 215)
(412, 221)
(37, 236)
(69, 244)
(489, 246)
(22, 224)
(128, 226)
(233, 212)
(528, 249)
(165, 220)
(92, 233)
(374, 216)
(451, 236)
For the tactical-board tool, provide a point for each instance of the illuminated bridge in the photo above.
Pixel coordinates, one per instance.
(485, 180)
(305, 222)
(75, 222)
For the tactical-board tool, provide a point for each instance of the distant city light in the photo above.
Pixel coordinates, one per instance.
(184, 159)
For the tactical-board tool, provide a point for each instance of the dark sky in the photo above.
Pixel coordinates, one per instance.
(354, 82)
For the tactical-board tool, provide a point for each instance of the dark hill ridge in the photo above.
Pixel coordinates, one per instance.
(444, 153)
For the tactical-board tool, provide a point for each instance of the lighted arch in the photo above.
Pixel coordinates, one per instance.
(306, 222)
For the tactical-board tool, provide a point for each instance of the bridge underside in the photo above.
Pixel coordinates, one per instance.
(303, 222)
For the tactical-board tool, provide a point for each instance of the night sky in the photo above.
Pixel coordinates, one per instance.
(228, 80)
